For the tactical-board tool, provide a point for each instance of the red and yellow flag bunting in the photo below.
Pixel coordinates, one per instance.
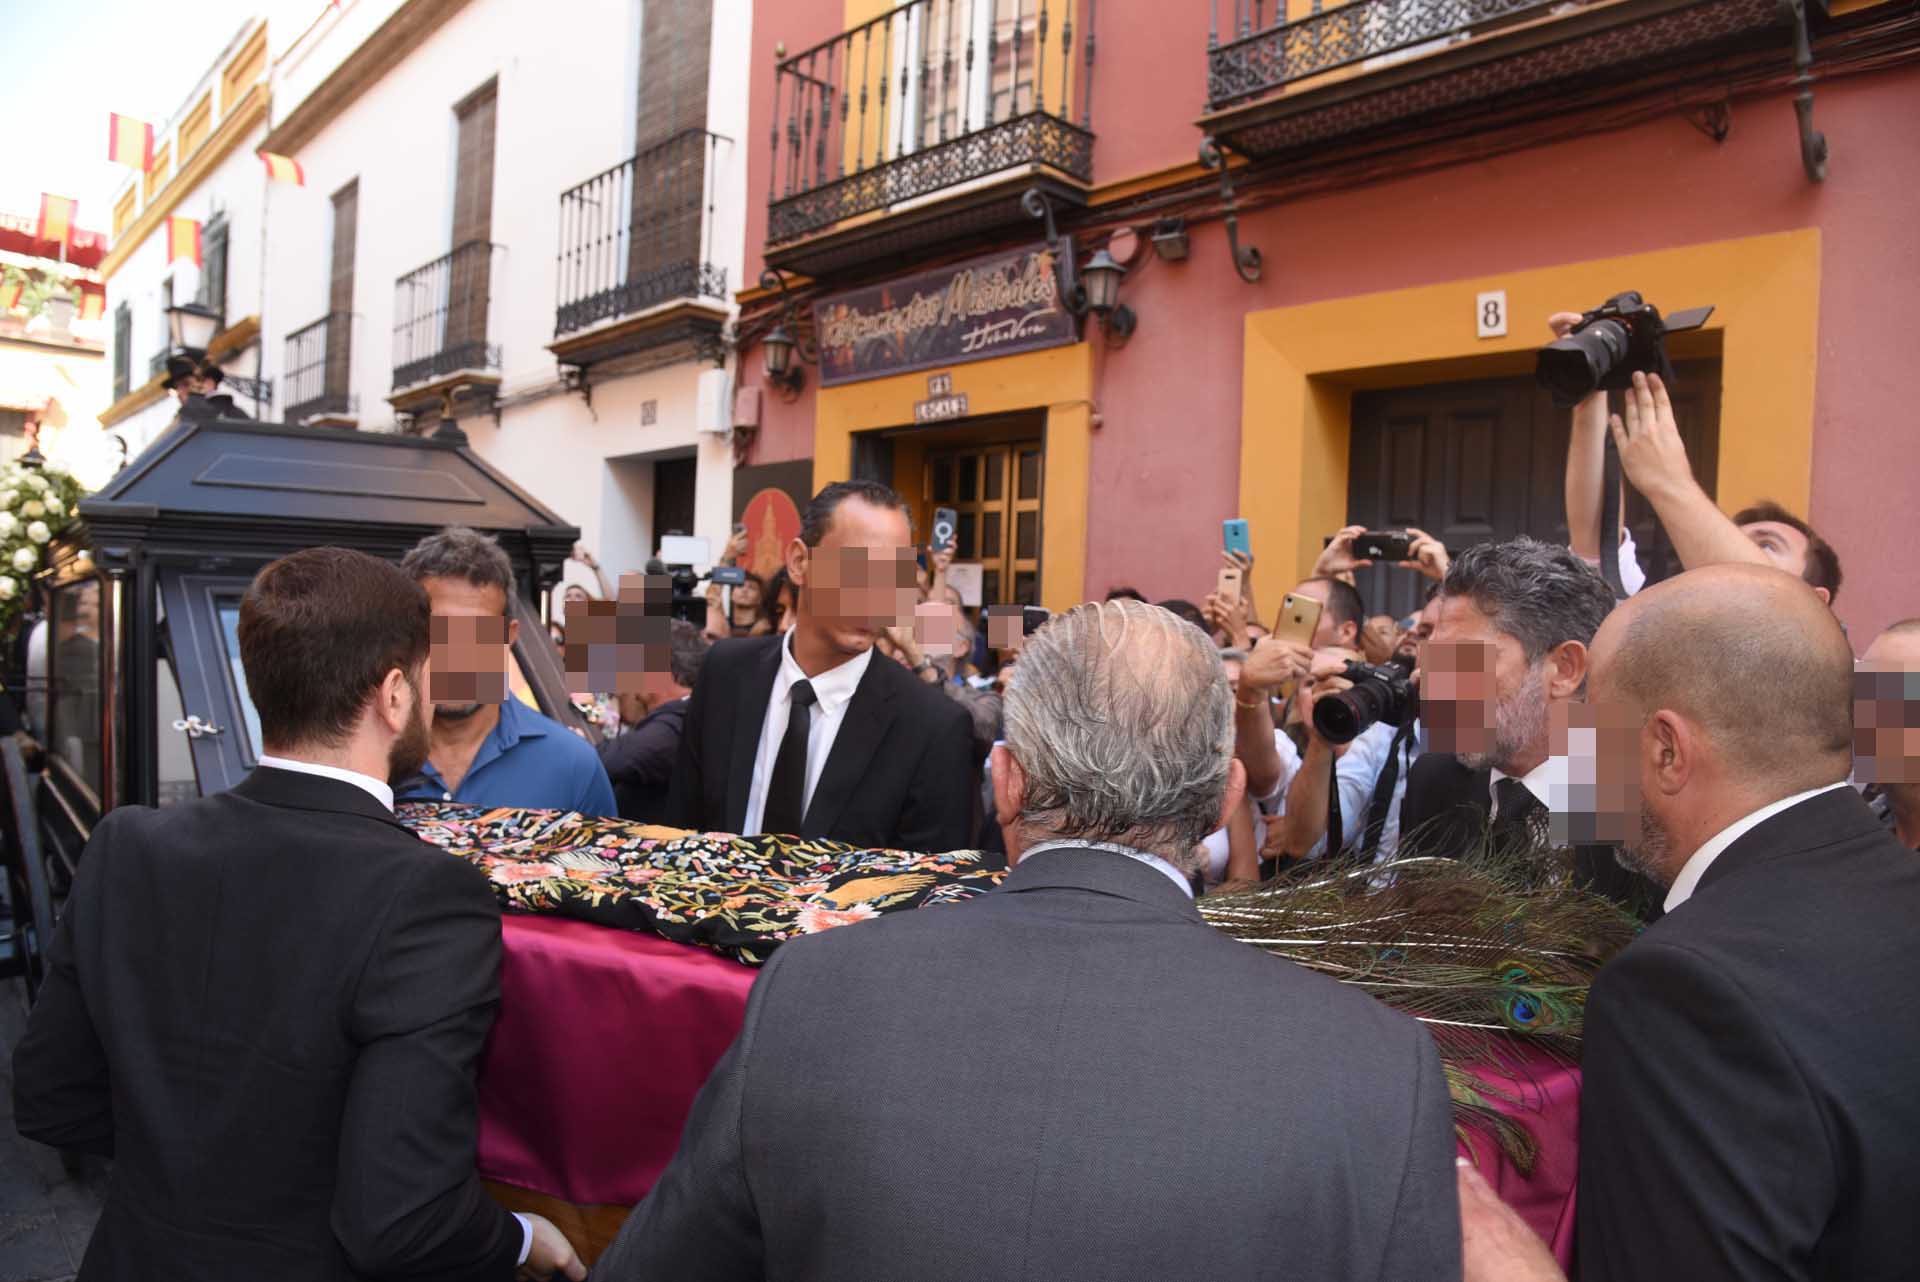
(9, 295)
(129, 142)
(183, 240)
(283, 169)
(56, 218)
(92, 306)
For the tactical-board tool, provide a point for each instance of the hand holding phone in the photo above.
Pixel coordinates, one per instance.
(945, 522)
(1392, 546)
(1235, 536)
(1227, 588)
(1299, 619)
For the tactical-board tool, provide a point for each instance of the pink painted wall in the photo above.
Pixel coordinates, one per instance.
(1166, 458)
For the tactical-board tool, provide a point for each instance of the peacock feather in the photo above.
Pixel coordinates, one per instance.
(1494, 946)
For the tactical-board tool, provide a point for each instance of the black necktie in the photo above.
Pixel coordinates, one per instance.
(787, 790)
(1521, 818)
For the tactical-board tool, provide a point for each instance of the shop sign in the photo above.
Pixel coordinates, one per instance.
(994, 305)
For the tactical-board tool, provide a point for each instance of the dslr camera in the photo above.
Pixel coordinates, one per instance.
(1623, 336)
(1380, 692)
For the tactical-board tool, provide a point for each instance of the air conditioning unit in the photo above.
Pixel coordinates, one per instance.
(715, 402)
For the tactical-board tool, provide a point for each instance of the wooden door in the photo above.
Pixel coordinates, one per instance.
(1468, 462)
(995, 492)
(339, 344)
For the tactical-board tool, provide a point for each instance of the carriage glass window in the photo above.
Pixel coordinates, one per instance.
(229, 611)
(73, 680)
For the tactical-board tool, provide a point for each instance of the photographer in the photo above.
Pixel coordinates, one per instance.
(1653, 460)
(1509, 647)
(1359, 786)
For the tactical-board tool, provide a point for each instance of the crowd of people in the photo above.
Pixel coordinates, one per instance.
(1066, 1078)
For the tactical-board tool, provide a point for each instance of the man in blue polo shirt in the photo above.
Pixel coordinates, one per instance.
(488, 748)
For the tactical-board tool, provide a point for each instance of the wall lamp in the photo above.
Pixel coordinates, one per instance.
(192, 327)
(1100, 292)
(780, 347)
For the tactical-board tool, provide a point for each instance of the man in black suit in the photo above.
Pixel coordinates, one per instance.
(266, 1005)
(1038, 1083)
(811, 733)
(1507, 657)
(1748, 1110)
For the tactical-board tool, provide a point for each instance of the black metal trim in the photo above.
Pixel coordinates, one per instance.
(1036, 138)
(451, 360)
(651, 289)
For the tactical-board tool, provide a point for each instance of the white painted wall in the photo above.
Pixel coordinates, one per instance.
(237, 187)
(564, 113)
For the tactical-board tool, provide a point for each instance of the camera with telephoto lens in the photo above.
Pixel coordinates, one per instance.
(1622, 337)
(1380, 692)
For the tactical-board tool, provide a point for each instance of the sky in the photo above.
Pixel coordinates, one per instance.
(70, 63)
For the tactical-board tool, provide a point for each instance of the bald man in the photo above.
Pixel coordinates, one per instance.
(1750, 1107)
(1886, 726)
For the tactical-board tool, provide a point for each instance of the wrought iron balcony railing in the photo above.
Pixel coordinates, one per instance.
(440, 317)
(640, 234)
(320, 368)
(927, 96)
(1262, 52)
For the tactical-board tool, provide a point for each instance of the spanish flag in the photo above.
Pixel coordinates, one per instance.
(129, 142)
(9, 295)
(56, 219)
(92, 306)
(283, 169)
(183, 240)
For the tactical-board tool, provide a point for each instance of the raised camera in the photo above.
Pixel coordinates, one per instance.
(1380, 692)
(1622, 337)
(1383, 545)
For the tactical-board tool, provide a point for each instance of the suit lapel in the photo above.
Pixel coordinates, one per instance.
(749, 717)
(864, 725)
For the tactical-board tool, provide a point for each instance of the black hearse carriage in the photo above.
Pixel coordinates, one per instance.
(143, 701)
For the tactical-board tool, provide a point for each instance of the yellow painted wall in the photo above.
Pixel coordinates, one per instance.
(1058, 381)
(1302, 364)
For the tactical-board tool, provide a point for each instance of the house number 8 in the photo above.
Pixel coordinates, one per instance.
(1490, 315)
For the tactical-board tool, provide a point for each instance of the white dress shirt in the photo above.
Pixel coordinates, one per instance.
(832, 692)
(380, 792)
(1713, 847)
(375, 788)
(1547, 781)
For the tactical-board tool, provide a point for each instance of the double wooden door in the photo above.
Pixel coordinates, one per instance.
(1468, 462)
(995, 492)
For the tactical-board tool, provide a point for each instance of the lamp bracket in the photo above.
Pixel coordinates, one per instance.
(1813, 143)
(804, 348)
(1073, 295)
(1246, 261)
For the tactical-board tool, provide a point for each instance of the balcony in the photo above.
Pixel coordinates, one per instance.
(1286, 79)
(319, 372)
(636, 247)
(926, 124)
(440, 345)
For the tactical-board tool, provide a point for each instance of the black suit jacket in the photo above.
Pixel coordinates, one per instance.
(1751, 1108)
(266, 1006)
(900, 774)
(1446, 811)
(1072, 1077)
(640, 763)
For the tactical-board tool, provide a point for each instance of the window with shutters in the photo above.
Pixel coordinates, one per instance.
(161, 171)
(122, 353)
(468, 284)
(123, 211)
(338, 353)
(213, 266)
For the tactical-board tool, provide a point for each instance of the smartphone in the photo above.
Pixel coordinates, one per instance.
(1228, 586)
(1299, 619)
(945, 522)
(1383, 545)
(1032, 618)
(1234, 536)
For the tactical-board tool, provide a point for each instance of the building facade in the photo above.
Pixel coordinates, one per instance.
(1343, 228)
(526, 230)
(204, 169)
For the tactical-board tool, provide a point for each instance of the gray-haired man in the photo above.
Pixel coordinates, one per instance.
(1507, 657)
(489, 748)
(1075, 1076)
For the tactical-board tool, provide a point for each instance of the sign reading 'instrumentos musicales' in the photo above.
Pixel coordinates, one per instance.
(990, 306)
